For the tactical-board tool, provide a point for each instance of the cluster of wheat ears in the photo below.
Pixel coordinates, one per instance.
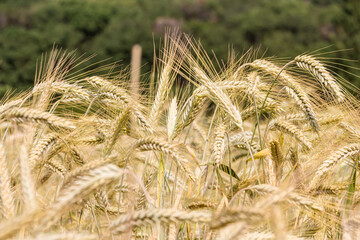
(251, 148)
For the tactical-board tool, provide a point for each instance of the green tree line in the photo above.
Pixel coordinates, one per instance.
(109, 28)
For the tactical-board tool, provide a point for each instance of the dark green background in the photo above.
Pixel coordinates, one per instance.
(109, 28)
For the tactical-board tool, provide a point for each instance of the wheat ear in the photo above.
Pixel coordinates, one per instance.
(317, 69)
(78, 172)
(233, 215)
(229, 85)
(271, 177)
(277, 158)
(303, 102)
(163, 88)
(69, 90)
(199, 203)
(299, 174)
(142, 121)
(291, 129)
(291, 197)
(250, 87)
(28, 114)
(344, 152)
(75, 154)
(242, 140)
(121, 96)
(292, 87)
(266, 235)
(10, 104)
(152, 216)
(168, 71)
(56, 166)
(92, 140)
(80, 188)
(350, 129)
(148, 179)
(193, 107)
(40, 148)
(6, 193)
(219, 143)
(118, 124)
(64, 236)
(219, 98)
(27, 183)
(269, 107)
(149, 144)
(172, 115)
(253, 82)
(107, 87)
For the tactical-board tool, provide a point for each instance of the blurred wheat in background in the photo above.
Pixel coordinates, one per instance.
(251, 148)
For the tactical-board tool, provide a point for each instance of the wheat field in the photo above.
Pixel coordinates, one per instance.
(251, 148)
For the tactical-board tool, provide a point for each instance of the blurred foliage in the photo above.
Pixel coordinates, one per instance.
(109, 28)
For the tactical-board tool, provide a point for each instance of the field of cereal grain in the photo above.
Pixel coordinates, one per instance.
(253, 148)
